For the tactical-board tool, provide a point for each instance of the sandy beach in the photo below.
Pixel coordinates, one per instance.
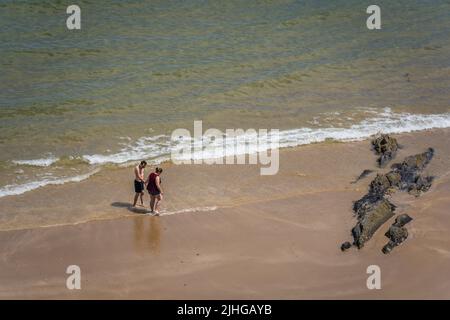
(228, 232)
(88, 90)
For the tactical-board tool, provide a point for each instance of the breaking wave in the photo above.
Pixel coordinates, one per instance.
(159, 148)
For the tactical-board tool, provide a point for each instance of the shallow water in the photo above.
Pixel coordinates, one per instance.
(73, 102)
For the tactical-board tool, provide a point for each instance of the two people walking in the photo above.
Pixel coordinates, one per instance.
(152, 184)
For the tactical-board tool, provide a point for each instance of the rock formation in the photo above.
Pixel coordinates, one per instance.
(410, 173)
(397, 233)
(386, 147)
(371, 216)
(373, 209)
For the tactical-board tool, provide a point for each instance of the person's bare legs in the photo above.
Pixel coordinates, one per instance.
(136, 196)
(157, 202)
(142, 199)
(152, 203)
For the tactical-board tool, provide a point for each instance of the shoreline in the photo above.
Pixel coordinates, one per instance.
(52, 170)
(269, 237)
(123, 176)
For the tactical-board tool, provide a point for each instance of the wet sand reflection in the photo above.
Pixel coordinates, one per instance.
(147, 234)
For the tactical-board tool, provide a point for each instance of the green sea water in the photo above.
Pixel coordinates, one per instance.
(74, 101)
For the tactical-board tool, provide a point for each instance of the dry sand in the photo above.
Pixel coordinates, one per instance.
(270, 237)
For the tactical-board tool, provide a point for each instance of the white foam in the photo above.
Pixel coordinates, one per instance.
(44, 162)
(386, 122)
(16, 189)
(144, 148)
(160, 147)
(189, 210)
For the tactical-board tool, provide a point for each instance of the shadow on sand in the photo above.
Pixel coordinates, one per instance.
(129, 207)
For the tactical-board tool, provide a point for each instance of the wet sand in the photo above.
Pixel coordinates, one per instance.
(258, 237)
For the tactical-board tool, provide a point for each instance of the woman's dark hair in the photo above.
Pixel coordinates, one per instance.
(158, 170)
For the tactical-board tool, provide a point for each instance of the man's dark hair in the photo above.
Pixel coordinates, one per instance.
(143, 163)
(158, 170)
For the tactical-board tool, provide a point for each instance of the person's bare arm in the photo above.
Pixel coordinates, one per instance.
(136, 174)
(158, 185)
(141, 175)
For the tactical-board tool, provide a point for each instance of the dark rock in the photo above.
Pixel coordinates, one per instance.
(410, 171)
(394, 178)
(373, 209)
(380, 184)
(370, 219)
(365, 204)
(385, 158)
(422, 184)
(397, 233)
(386, 147)
(418, 161)
(401, 220)
(387, 248)
(384, 143)
(345, 246)
(364, 174)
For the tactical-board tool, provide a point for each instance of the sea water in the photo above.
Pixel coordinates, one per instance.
(73, 102)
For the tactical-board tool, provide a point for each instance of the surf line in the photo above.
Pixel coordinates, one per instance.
(230, 147)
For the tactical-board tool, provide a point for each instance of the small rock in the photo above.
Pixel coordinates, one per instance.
(387, 248)
(397, 233)
(402, 219)
(345, 246)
